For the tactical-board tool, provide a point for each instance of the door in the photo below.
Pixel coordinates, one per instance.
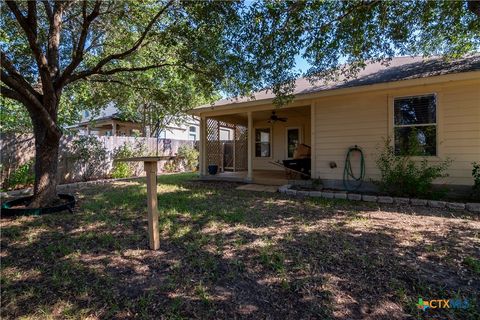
(293, 139)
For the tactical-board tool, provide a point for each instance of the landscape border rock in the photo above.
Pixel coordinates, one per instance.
(471, 207)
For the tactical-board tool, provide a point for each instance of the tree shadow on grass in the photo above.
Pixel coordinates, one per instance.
(227, 254)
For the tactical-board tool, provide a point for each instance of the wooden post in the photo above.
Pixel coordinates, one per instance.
(313, 147)
(250, 147)
(203, 146)
(153, 232)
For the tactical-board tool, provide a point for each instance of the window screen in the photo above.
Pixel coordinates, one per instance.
(415, 125)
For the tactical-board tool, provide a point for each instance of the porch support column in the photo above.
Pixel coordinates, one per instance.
(312, 142)
(250, 147)
(203, 145)
(114, 128)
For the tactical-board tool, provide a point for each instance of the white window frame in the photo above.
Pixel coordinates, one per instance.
(437, 151)
(300, 139)
(270, 129)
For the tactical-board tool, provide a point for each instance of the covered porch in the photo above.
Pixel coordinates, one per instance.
(247, 146)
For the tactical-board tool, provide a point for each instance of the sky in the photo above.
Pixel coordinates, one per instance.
(301, 63)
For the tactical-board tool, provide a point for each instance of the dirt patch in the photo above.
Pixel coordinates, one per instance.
(228, 253)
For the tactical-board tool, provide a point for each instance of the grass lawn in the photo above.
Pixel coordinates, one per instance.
(235, 254)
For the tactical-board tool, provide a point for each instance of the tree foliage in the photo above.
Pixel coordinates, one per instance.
(59, 56)
(339, 37)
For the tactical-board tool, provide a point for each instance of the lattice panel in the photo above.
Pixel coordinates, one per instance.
(241, 147)
(213, 146)
(236, 149)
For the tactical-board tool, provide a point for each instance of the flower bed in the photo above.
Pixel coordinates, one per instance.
(470, 206)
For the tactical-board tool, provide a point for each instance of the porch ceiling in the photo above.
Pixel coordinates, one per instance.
(242, 118)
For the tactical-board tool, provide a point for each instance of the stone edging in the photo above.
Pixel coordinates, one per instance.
(472, 207)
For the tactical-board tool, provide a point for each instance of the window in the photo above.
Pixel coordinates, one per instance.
(224, 134)
(415, 125)
(193, 129)
(293, 139)
(262, 142)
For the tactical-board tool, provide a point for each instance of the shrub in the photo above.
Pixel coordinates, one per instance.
(21, 177)
(90, 154)
(190, 155)
(123, 169)
(127, 169)
(476, 180)
(403, 176)
(170, 166)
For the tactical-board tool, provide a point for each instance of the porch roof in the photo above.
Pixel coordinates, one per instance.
(398, 69)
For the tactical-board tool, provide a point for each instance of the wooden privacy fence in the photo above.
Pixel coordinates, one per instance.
(18, 149)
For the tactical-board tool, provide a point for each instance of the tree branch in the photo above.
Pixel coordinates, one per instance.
(119, 82)
(55, 27)
(31, 36)
(474, 6)
(32, 16)
(33, 105)
(12, 72)
(79, 50)
(48, 10)
(118, 56)
(14, 95)
(40, 58)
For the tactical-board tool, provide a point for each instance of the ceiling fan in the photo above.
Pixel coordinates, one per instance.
(274, 118)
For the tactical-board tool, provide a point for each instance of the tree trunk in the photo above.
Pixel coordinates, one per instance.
(47, 146)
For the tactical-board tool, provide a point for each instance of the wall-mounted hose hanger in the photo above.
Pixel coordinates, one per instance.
(352, 181)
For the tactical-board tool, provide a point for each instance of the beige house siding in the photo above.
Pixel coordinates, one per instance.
(461, 130)
(346, 121)
(365, 119)
(363, 116)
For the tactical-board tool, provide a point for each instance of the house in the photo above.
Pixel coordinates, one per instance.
(110, 122)
(438, 100)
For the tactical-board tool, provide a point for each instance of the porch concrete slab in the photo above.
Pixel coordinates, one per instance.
(258, 187)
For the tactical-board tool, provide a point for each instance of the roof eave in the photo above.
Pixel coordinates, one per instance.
(470, 75)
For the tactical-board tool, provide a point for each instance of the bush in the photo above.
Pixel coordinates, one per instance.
(123, 169)
(127, 169)
(403, 176)
(90, 154)
(170, 166)
(190, 155)
(21, 177)
(476, 181)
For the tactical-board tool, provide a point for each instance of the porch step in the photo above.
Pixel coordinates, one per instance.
(270, 181)
(258, 187)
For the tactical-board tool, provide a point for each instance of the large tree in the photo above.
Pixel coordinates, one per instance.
(50, 45)
(229, 46)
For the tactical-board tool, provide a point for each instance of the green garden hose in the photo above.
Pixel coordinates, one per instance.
(350, 181)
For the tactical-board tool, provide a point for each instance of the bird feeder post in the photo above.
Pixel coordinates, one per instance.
(153, 231)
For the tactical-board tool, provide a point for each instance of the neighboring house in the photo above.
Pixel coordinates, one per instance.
(189, 130)
(110, 123)
(438, 100)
